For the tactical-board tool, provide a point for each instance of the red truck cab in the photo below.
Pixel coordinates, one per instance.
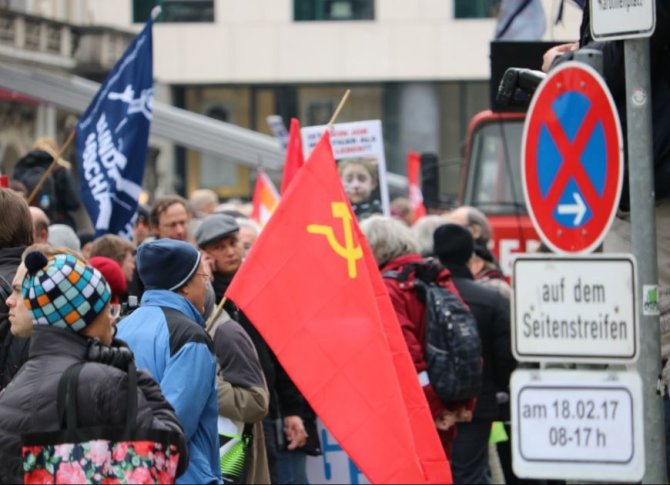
(491, 181)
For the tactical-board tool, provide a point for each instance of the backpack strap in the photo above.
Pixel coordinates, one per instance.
(419, 284)
(68, 387)
(67, 396)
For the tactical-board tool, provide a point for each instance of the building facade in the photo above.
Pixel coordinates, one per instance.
(421, 66)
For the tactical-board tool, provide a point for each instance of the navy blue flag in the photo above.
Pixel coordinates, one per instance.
(112, 137)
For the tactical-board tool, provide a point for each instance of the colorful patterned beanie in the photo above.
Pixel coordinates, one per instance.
(63, 291)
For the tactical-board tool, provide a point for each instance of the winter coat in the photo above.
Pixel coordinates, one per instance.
(285, 399)
(411, 313)
(166, 334)
(493, 278)
(29, 403)
(59, 187)
(13, 350)
(242, 394)
(492, 312)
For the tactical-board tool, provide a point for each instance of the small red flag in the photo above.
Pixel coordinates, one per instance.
(414, 185)
(265, 199)
(294, 157)
(321, 305)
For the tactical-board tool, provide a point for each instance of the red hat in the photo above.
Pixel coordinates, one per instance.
(112, 272)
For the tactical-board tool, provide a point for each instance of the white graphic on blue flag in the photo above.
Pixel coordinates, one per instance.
(112, 137)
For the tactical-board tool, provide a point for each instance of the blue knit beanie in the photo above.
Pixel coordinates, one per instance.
(166, 264)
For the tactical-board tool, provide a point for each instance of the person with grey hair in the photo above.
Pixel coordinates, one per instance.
(249, 232)
(423, 230)
(395, 252)
(475, 220)
(203, 202)
(484, 265)
(64, 235)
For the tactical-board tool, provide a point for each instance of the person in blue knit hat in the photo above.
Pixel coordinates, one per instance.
(166, 334)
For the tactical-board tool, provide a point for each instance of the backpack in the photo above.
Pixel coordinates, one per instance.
(29, 172)
(452, 350)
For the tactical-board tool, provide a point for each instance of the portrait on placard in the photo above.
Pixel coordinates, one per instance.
(358, 148)
(360, 179)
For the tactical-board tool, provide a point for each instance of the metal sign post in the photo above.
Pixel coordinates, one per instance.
(643, 230)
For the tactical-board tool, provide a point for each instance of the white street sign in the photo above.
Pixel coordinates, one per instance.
(622, 19)
(575, 309)
(577, 425)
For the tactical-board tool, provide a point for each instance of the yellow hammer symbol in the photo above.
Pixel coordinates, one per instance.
(349, 252)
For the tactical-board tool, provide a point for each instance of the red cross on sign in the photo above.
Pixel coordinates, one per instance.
(572, 153)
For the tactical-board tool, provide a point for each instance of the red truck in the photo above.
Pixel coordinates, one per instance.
(491, 181)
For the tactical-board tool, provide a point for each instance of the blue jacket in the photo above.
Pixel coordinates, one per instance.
(166, 335)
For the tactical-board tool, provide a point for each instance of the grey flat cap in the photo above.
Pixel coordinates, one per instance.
(215, 227)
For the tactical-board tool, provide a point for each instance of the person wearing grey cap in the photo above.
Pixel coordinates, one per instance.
(218, 239)
(242, 393)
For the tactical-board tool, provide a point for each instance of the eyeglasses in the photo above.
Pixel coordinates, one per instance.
(205, 276)
(114, 310)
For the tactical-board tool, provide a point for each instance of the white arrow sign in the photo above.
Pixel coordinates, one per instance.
(578, 208)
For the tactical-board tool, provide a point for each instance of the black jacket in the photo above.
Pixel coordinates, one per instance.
(285, 399)
(492, 312)
(29, 403)
(13, 350)
(59, 186)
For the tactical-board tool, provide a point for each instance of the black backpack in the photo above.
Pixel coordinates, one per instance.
(29, 170)
(452, 348)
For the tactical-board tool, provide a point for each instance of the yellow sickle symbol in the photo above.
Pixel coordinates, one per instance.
(349, 252)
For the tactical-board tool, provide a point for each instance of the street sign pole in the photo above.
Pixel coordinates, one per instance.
(643, 229)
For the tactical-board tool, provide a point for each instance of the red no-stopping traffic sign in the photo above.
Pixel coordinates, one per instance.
(572, 154)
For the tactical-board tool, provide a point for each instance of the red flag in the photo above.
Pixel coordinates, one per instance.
(265, 199)
(415, 195)
(313, 301)
(294, 157)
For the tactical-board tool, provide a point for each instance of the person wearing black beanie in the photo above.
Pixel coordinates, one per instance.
(454, 246)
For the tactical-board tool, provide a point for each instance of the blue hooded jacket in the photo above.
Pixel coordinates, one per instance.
(166, 335)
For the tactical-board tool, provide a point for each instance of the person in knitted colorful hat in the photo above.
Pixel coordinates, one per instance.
(65, 292)
(69, 301)
(20, 318)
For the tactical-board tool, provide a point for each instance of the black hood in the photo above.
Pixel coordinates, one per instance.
(36, 158)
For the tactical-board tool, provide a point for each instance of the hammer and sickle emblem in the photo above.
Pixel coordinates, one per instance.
(349, 252)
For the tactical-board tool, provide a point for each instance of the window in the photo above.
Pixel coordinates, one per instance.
(175, 10)
(333, 10)
(495, 160)
(476, 9)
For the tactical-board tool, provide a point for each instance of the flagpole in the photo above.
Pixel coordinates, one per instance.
(215, 313)
(339, 107)
(51, 166)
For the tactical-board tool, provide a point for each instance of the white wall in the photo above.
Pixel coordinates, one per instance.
(256, 41)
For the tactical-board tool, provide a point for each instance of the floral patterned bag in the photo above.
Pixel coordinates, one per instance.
(102, 454)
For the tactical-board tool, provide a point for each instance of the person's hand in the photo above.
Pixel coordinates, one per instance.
(463, 415)
(556, 51)
(295, 432)
(209, 261)
(446, 420)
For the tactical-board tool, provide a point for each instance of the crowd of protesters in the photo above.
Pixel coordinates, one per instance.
(204, 370)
